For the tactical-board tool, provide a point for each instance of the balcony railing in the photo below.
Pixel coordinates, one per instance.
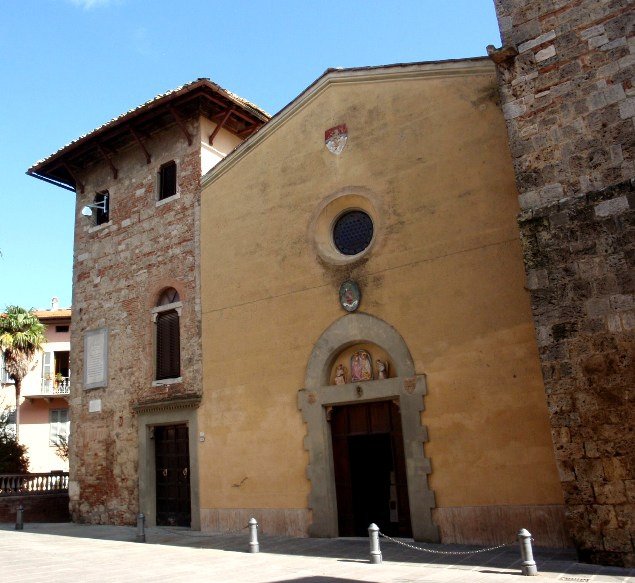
(53, 483)
(56, 387)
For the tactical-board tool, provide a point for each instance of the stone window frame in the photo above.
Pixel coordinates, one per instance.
(331, 209)
(93, 225)
(318, 396)
(177, 194)
(98, 213)
(182, 411)
(155, 311)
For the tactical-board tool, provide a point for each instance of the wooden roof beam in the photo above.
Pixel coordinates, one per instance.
(114, 170)
(181, 124)
(219, 126)
(237, 112)
(143, 148)
(78, 182)
(248, 131)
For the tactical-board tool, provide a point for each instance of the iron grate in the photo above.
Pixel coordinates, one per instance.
(353, 232)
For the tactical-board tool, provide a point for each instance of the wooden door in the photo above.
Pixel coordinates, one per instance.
(172, 458)
(370, 469)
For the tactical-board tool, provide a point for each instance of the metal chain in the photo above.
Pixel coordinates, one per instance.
(394, 540)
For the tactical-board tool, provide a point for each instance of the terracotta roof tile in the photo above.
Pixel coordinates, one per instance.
(113, 122)
(53, 314)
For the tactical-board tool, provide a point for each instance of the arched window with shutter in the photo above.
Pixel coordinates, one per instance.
(168, 335)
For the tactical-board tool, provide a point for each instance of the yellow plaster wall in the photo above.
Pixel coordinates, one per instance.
(445, 270)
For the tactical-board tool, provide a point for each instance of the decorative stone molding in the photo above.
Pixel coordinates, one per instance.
(172, 412)
(330, 209)
(192, 402)
(316, 400)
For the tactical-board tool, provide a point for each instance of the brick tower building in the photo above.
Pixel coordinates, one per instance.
(566, 81)
(136, 309)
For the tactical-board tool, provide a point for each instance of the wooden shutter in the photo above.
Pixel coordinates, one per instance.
(47, 372)
(58, 425)
(168, 346)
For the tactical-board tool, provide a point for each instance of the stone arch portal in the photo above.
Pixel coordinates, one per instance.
(318, 397)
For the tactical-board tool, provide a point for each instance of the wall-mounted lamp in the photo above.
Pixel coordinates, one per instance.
(87, 211)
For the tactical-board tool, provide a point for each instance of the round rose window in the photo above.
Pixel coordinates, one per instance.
(353, 232)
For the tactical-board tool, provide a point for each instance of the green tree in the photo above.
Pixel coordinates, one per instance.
(21, 336)
(13, 458)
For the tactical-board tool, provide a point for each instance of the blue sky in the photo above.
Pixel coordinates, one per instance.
(67, 66)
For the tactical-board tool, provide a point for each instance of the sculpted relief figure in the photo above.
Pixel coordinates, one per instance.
(340, 375)
(361, 366)
(382, 369)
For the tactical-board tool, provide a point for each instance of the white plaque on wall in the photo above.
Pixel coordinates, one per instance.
(96, 358)
(94, 406)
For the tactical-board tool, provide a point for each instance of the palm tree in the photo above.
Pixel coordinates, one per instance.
(21, 336)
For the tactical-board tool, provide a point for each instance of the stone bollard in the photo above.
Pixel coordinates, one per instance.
(254, 547)
(19, 518)
(141, 528)
(528, 565)
(375, 551)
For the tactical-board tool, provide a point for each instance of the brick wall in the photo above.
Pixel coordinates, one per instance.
(569, 103)
(119, 271)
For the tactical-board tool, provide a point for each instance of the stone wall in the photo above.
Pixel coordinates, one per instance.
(565, 74)
(120, 269)
(37, 508)
(568, 95)
(579, 258)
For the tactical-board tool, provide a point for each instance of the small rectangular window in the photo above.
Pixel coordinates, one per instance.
(102, 208)
(168, 346)
(167, 180)
(62, 328)
(58, 428)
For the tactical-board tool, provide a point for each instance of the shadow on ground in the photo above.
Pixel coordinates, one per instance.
(343, 549)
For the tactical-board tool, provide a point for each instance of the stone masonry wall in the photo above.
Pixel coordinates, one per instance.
(568, 96)
(579, 256)
(569, 102)
(119, 272)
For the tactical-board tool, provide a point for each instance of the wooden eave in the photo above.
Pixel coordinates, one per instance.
(50, 317)
(136, 128)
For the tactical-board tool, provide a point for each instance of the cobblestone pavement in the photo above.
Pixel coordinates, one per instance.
(90, 553)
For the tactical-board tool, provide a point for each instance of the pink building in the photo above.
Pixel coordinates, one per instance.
(44, 411)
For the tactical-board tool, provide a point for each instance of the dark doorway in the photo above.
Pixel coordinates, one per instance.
(370, 469)
(172, 458)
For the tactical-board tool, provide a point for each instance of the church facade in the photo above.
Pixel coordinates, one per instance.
(415, 212)
(380, 305)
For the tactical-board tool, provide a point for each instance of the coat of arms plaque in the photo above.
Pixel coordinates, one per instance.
(335, 139)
